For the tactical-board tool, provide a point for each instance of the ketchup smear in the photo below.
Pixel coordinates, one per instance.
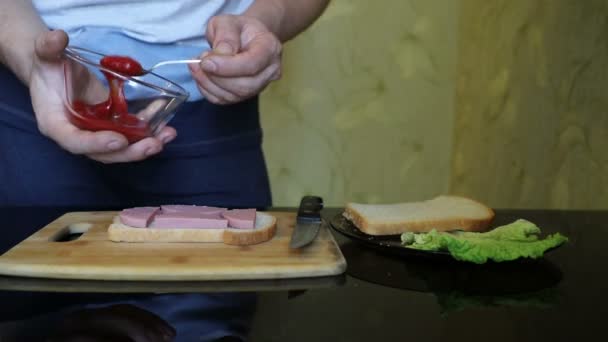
(113, 113)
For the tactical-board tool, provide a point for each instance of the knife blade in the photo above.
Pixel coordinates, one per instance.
(308, 221)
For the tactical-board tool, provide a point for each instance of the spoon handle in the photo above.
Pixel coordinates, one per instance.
(181, 61)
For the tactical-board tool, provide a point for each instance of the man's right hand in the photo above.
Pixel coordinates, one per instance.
(47, 92)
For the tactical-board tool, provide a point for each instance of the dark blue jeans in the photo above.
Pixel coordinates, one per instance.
(215, 160)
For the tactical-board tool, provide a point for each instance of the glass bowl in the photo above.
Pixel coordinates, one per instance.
(150, 101)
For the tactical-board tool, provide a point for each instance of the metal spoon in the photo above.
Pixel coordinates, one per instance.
(177, 61)
(72, 51)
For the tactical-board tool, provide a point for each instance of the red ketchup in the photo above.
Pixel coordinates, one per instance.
(113, 113)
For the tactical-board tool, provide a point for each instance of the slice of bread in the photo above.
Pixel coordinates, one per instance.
(264, 230)
(443, 213)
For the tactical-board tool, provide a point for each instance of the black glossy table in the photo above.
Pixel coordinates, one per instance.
(382, 297)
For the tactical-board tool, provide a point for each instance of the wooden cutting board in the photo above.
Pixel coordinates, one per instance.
(92, 256)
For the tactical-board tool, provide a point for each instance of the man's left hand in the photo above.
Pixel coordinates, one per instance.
(244, 59)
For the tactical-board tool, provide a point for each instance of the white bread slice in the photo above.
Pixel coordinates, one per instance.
(443, 213)
(265, 228)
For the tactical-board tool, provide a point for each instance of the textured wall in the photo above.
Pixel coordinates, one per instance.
(364, 110)
(531, 126)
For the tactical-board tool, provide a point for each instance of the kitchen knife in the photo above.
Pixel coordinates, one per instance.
(308, 221)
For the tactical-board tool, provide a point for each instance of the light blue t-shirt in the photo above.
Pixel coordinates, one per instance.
(147, 30)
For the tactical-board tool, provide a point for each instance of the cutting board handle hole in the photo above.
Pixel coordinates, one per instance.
(71, 232)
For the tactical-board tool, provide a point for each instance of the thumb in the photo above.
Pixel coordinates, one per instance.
(224, 34)
(50, 45)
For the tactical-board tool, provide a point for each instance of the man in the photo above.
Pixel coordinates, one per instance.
(211, 154)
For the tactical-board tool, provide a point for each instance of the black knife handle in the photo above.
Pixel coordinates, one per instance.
(310, 207)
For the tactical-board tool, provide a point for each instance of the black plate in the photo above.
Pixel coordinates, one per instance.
(390, 244)
(386, 243)
(449, 276)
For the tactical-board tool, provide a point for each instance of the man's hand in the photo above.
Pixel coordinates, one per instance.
(246, 57)
(47, 90)
(119, 322)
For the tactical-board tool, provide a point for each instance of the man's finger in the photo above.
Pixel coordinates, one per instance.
(224, 34)
(78, 141)
(138, 151)
(49, 45)
(167, 134)
(212, 92)
(244, 87)
(250, 61)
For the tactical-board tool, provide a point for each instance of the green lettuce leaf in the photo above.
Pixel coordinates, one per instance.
(516, 240)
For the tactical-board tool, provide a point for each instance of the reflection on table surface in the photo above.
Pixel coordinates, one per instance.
(107, 317)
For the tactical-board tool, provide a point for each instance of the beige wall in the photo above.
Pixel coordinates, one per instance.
(501, 100)
(364, 111)
(531, 126)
